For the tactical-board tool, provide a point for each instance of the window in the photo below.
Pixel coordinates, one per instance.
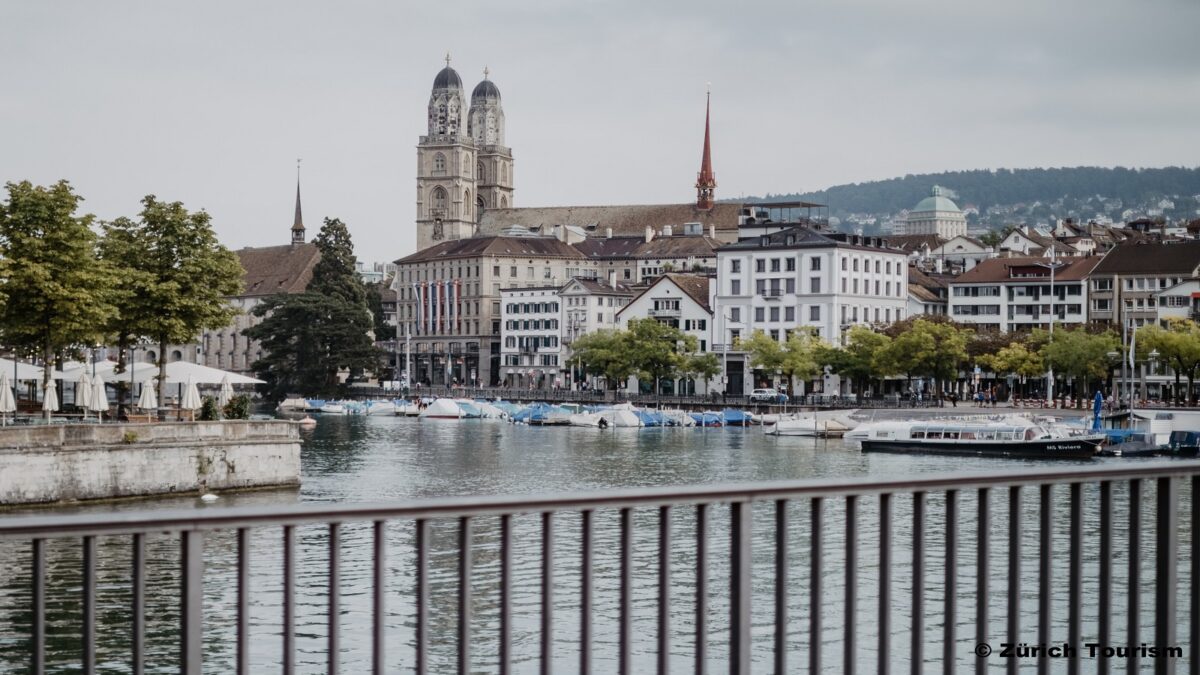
(775, 264)
(814, 285)
(439, 163)
(760, 314)
(760, 265)
(789, 314)
(876, 267)
(774, 313)
(512, 272)
(856, 264)
(790, 285)
(735, 286)
(546, 273)
(888, 267)
(814, 313)
(775, 335)
(791, 265)
(480, 174)
(529, 273)
(735, 266)
(735, 314)
(599, 317)
(843, 264)
(439, 199)
(760, 286)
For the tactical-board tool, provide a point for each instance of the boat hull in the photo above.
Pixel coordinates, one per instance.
(1051, 448)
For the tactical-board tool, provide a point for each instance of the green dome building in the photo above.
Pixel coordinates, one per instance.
(936, 214)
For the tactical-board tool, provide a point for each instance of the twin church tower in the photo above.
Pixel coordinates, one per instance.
(463, 166)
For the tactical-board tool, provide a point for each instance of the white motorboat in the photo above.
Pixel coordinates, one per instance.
(813, 426)
(621, 417)
(333, 409)
(592, 419)
(442, 408)
(381, 408)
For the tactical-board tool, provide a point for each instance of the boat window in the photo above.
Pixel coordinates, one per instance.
(987, 435)
(934, 434)
(885, 434)
(1029, 433)
(918, 434)
(967, 435)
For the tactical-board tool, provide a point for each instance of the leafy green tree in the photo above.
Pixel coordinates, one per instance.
(59, 294)
(656, 349)
(797, 358)
(374, 299)
(310, 337)
(926, 347)
(604, 354)
(121, 246)
(184, 277)
(1178, 345)
(857, 360)
(701, 366)
(1078, 353)
(1014, 359)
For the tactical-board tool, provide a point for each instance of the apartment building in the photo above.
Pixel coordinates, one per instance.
(1007, 294)
(680, 301)
(1125, 285)
(531, 342)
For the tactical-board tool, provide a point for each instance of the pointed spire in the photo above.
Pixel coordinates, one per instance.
(706, 181)
(298, 223)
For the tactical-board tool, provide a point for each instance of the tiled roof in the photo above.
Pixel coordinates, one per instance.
(912, 242)
(631, 220)
(692, 285)
(924, 294)
(997, 269)
(1145, 257)
(675, 246)
(597, 287)
(474, 247)
(278, 269)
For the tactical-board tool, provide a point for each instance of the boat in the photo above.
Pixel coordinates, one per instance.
(1008, 438)
(707, 419)
(731, 417)
(442, 408)
(291, 404)
(621, 418)
(380, 408)
(813, 425)
(588, 419)
(333, 409)
(407, 408)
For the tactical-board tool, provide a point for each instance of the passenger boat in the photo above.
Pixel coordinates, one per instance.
(1008, 438)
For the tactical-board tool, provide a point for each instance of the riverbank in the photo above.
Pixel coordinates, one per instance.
(78, 462)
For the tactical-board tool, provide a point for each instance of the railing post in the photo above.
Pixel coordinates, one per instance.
(950, 646)
(701, 665)
(918, 584)
(1045, 554)
(1166, 549)
(739, 592)
(1132, 628)
(191, 605)
(1075, 580)
(1014, 573)
(981, 579)
(885, 583)
(781, 585)
(848, 648)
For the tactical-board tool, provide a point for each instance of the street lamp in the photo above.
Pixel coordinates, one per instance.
(1053, 265)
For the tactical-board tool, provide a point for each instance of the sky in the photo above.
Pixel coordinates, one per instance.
(211, 103)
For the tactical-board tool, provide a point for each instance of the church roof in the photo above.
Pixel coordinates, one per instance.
(935, 202)
(277, 269)
(631, 220)
(447, 78)
(485, 89)
(474, 247)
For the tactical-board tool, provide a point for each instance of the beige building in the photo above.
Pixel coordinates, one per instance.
(448, 301)
(936, 214)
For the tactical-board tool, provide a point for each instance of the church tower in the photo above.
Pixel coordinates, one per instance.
(494, 162)
(446, 165)
(706, 180)
(298, 221)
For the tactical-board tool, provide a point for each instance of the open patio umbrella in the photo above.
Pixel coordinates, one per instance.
(191, 397)
(99, 403)
(226, 393)
(83, 392)
(50, 400)
(8, 404)
(147, 401)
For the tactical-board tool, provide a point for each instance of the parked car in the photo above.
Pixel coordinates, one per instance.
(768, 396)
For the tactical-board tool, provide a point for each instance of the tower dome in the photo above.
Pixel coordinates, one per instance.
(447, 78)
(485, 89)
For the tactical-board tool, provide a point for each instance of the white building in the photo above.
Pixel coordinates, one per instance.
(798, 278)
(936, 214)
(588, 305)
(681, 301)
(1008, 294)
(530, 337)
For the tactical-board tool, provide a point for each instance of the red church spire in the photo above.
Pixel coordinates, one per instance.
(706, 182)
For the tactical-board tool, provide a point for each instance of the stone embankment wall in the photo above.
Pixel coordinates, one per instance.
(43, 464)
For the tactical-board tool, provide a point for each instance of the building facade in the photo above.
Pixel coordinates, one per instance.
(531, 342)
(936, 214)
(1011, 294)
(1125, 285)
(680, 301)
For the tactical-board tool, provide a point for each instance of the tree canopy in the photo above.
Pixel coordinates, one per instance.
(1178, 346)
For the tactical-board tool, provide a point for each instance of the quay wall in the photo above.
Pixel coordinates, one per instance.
(57, 463)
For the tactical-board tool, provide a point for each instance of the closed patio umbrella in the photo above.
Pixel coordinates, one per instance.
(8, 404)
(191, 397)
(226, 393)
(83, 392)
(147, 401)
(99, 403)
(50, 400)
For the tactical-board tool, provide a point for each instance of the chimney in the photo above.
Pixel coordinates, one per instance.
(667, 230)
(649, 233)
(712, 231)
(608, 233)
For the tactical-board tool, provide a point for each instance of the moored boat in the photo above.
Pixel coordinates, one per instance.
(1000, 439)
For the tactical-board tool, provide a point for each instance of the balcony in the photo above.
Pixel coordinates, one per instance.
(664, 313)
(773, 293)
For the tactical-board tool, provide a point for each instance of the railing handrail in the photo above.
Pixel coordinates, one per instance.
(451, 507)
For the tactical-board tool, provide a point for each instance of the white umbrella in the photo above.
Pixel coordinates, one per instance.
(147, 400)
(226, 394)
(50, 400)
(99, 401)
(8, 404)
(191, 397)
(83, 392)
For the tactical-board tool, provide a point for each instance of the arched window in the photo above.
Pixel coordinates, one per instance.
(480, 173)
(176, 355)
(504, 202)
(439, 162)
(439, 198)
(479, 206)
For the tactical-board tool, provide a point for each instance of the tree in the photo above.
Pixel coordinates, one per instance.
(58, 292)
(310, 337)
(374, 299)
(794, 359)
(121, 247)
(701, 366)
(185, 277)
(1014, 359)
(657, 350)
(1178, 345)
(858, 359)
(604, 354)
(927, 347)
(1078, 354)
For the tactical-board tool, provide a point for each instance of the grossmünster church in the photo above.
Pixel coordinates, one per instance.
(463, 166)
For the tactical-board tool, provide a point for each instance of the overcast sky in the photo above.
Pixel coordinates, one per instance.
(210, 103)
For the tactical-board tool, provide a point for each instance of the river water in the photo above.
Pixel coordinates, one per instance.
(372, 459)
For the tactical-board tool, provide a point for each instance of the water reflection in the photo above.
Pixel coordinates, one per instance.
(379, 459)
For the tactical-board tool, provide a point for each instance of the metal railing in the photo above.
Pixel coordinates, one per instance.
(193, 527)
